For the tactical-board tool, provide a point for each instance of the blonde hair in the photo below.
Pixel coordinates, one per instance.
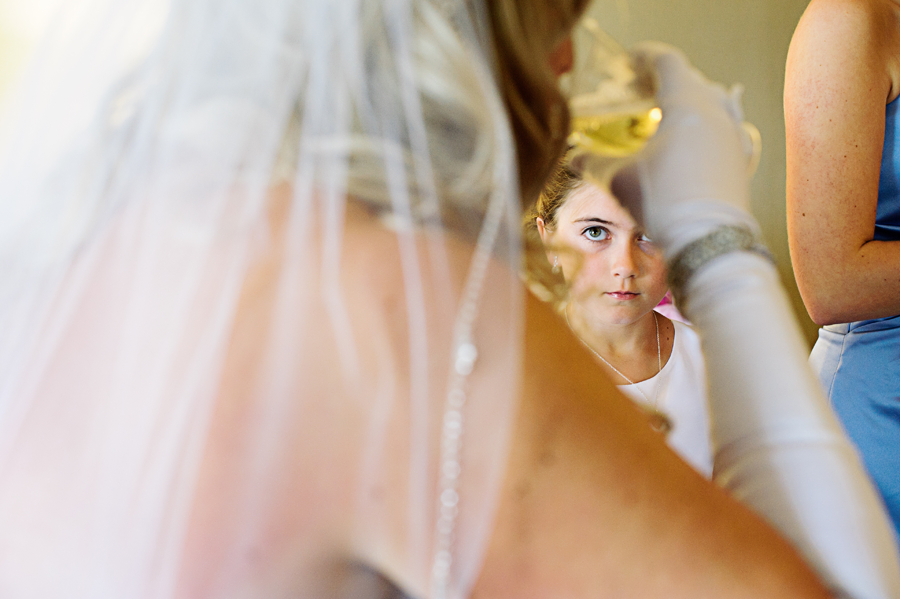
(456, 111)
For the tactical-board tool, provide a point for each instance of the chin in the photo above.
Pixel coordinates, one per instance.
(624, 320)
(620, 316)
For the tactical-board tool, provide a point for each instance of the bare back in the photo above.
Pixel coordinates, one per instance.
(592, 503)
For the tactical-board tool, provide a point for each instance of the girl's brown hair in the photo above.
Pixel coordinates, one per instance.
(561, 183)
(538, 273)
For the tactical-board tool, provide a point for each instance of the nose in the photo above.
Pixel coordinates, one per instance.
(624, 263)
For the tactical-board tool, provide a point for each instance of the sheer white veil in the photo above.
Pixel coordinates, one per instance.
(169, 167)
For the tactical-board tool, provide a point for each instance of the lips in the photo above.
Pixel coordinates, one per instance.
(623, 295)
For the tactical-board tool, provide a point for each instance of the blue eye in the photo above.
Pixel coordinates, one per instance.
(596, 233)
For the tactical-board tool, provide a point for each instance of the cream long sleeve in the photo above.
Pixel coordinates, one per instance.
(778, 446)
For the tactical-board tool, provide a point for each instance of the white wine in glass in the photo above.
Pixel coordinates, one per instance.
(612, 101)
(615, 134)
(611, 96)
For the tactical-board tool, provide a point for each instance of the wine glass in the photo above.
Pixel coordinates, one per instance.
(612, 101)
(611, 96)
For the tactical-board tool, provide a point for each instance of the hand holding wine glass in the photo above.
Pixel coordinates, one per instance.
(694, 174)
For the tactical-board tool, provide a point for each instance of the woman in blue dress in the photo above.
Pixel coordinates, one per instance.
(843, 198)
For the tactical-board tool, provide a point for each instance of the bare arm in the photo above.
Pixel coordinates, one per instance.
(595, 505)
(840, 75)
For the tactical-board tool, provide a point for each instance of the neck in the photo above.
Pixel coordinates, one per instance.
(629, 340)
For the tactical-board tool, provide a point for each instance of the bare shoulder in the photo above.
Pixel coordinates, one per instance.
(595, 504)
(842, 69)
(591, 501)
(841, 44)
(861, 20)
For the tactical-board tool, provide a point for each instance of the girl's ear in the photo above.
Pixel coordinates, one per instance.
(544, 232)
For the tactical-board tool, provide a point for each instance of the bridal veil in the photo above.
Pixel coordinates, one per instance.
(202, 203)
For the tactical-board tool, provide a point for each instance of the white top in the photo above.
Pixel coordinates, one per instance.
(682, 396)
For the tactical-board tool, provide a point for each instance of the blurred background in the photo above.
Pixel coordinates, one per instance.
(21, 24)
(736, 41)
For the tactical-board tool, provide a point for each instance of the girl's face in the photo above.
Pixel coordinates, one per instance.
(616, 273)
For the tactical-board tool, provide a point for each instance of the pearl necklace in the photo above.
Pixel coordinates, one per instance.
(659, 420)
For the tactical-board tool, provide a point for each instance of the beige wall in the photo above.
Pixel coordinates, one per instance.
(732, 41)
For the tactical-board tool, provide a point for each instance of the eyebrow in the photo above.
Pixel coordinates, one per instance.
(608, 223)
(594, 219)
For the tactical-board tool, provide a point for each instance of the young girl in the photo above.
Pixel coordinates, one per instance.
(615, 278)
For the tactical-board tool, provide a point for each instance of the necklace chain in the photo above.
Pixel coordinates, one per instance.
(659, 420)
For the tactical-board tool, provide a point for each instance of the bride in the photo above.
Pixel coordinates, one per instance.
(262, 335)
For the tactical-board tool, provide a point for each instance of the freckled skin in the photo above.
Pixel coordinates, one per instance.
(843, 67)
